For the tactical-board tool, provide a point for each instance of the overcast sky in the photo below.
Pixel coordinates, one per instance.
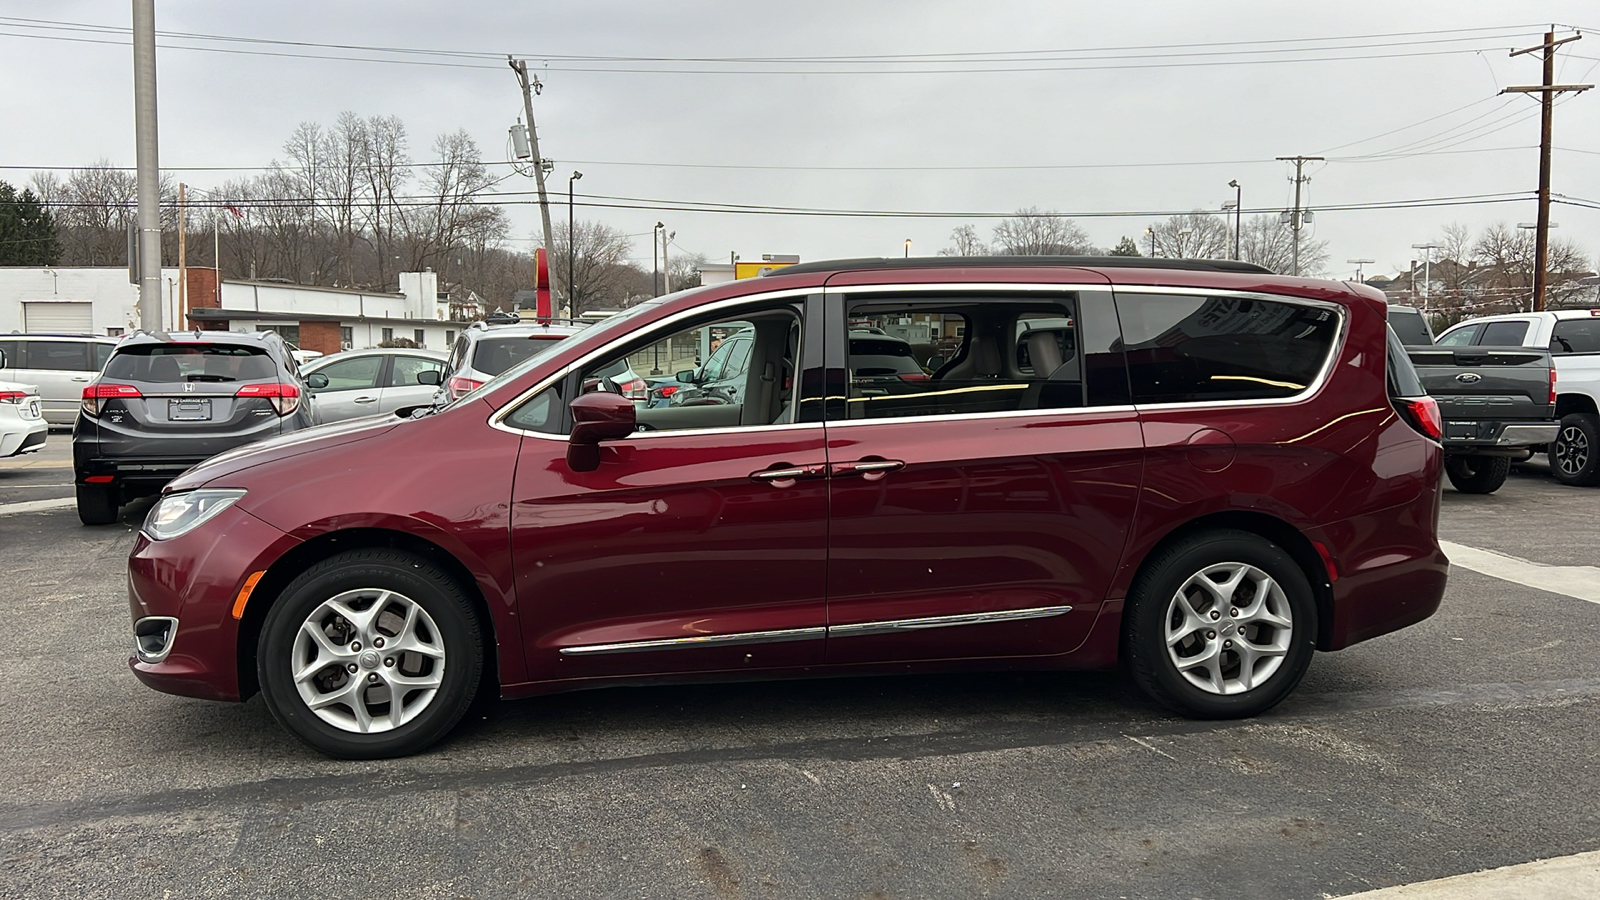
(947, 107)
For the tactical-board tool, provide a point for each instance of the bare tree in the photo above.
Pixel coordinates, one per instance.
(1036, 232)
(1195, 235)
(1506, 259)
(964, 241)
(385, 167)
(1268, 242)
(683, 271)
(599, 263)
(454, 214)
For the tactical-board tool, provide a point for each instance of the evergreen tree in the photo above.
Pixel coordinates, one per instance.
(1126, 247)
(27, 234)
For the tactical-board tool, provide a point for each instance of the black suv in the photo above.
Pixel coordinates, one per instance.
(166, 401)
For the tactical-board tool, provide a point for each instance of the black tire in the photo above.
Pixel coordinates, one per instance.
(1477, 474)
(97, 504)
(1154, 599)
(444, 623)
(1575, 455)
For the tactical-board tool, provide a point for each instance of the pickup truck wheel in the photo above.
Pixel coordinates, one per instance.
(1575, 455)
(1477, 474)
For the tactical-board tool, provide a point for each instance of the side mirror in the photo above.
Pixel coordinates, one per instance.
(2, 359)
(430, 376)
(687, 376)
(316, 381)
(934, 362)
(597, 417)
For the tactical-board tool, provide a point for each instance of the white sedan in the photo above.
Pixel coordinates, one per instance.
(22, 425)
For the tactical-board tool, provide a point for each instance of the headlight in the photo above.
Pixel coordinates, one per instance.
(177, 514)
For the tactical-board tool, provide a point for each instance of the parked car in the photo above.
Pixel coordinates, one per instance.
(59, 365)
(485, 350)
(1497, 403)
(166, 401)
(22, 424)
(1230, 471)
(373, 382)
(1573, 338)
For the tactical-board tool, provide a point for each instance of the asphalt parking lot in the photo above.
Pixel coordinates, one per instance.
(1461, 744)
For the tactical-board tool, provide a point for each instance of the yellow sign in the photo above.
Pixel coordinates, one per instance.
(753, 269)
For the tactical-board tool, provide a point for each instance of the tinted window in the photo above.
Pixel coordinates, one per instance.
(541, 413)
(12, 354)
(994, 354)
(405, 369)
(102, 352)
(170, 363)
(1504, 334)
(1194, 349)
(1403, 380)
(1409, 325)
(494, 355)
(358, 373)
(59, 356)
(1576, 336)
(1461, 337)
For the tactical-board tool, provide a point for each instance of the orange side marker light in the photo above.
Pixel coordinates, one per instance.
(244, 593)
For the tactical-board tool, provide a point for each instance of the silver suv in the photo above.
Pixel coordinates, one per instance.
(486, 349)
(60, 364)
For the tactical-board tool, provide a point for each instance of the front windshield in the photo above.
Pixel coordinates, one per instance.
(620, 322)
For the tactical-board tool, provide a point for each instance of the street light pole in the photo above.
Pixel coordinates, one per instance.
(1427, 257)
(655, 260)
(572, 248)
(1152, 233)
(1359, 263)
(1238, 208)
(908, 248)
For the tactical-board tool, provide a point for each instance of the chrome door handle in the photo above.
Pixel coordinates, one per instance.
(81, 378)
(366, 400)
(869, 469)
(787, 476)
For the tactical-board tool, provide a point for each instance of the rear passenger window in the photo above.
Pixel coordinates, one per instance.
(940, 356)
(1185, 349)
(1576, 336)
(1504, 334)
(60, 356)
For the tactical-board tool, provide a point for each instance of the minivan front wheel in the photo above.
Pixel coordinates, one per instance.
(1220, 625)
(370, 654)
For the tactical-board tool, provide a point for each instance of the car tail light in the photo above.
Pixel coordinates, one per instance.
(285, 397)
(915, 376)
(1421, 413)
(666, 391)
(12, 396)
(461, 385)
(96, 395)
(1552, 385)
(636, 389)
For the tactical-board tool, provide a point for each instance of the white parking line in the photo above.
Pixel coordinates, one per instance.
(1564, 878)
(36, 505)
(1580, 582)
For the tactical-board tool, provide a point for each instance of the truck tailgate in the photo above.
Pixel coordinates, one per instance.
(1486, 382)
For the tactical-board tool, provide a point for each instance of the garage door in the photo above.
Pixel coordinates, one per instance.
(58, 318)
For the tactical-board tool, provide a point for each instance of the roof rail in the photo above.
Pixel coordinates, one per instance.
(1076, 262)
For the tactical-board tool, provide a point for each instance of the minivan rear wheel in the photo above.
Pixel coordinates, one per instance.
(370, 654)
(97, 504)
(1221, 624)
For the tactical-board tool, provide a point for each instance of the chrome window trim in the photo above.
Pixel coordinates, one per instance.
(701, 640)
(889, 626)
(893, 626)
(1006, 414)
(1011, 286)
(496, 419)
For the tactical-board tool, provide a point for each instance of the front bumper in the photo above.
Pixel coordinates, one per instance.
(193, 581)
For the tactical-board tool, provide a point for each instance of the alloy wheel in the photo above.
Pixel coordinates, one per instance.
(1228, 628)
(1572, 450)
(368, 660)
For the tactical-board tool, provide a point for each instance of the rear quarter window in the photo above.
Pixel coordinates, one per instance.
(1193, 348)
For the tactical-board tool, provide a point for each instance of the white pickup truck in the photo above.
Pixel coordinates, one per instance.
(1573, 338)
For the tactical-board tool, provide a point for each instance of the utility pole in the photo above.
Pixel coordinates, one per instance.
(183, 265)
(148, 167)
(1548, 91)
(531, 86)
(1296, 219)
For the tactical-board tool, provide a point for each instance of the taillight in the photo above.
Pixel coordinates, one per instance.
(1422, 414)
(96, 395)
(1552, 385)
(666, 390)
(636, 389)
(285, 397)
(12, 396)
(461, 385)
(914, 376)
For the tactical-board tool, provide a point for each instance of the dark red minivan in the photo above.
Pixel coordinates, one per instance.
(1196, 467)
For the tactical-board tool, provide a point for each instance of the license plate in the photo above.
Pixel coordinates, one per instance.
(188, 410)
